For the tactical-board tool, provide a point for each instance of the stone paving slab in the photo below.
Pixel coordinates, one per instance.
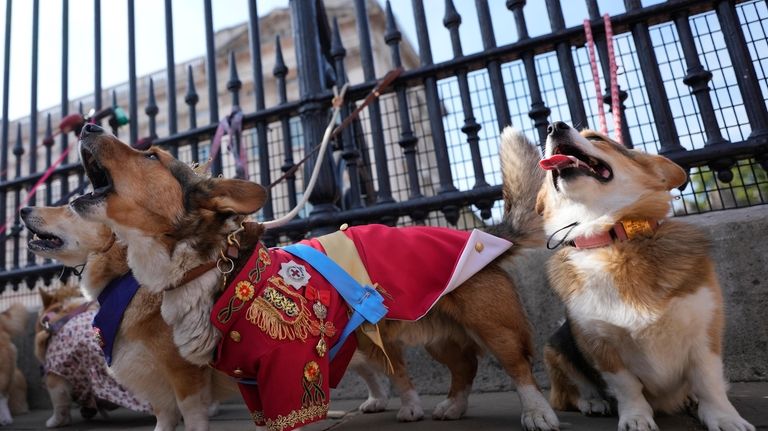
(494, 411)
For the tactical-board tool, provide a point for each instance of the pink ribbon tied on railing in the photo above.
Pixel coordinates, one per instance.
(232, 125)
(613, 78)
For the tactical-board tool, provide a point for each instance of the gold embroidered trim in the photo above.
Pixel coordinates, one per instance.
(244, 290)
(313, 385)
(281, 302)
(294, 417)
(227, 312)
(258, 417)
(265, 312)
(262, 263)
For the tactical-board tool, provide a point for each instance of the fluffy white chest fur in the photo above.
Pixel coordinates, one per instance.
(654, 343)
(599, 298)
(186, 309)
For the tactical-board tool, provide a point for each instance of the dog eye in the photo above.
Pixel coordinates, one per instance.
(151, 156)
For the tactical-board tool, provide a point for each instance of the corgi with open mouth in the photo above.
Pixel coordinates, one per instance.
(644, 308)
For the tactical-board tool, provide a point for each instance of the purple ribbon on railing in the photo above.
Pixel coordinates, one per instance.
(232, 125)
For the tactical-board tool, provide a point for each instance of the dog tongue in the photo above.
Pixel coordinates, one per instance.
(558, 161)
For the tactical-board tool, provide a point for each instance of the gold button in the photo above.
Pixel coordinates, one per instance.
(235, 336)
(479, 246)
(345, 226)
(237, 372)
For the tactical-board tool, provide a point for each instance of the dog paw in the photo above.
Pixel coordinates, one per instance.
(729, 423)
(374, 405)
(56, 421)
(691, 404)
(594, 407)
(410, 413)
(213, 409)
(6, 421)
(637, 422)
(450, 409)
(539, 420)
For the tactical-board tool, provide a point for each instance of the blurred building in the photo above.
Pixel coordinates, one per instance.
(236, 40)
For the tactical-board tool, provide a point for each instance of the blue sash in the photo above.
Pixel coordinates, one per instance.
(366, 302)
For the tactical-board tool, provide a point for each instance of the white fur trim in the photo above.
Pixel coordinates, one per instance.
(471, 260)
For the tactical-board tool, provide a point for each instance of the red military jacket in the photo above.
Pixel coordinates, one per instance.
(279, 317)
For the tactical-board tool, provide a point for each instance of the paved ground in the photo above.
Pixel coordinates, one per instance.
(487, 412)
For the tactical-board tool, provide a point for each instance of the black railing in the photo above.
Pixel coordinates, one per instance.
(425, 151)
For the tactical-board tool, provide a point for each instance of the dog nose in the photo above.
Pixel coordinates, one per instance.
(91, 129)
(25, 211)
(557, 127)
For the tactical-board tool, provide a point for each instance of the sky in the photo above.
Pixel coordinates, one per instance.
(189, 37)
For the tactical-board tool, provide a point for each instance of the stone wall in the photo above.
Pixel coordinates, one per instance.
(741, 256)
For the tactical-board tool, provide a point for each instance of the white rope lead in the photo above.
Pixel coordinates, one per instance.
(337, 103)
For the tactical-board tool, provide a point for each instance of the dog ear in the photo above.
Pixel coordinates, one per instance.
(672, 175)
(540, 198)
(233, 196)
(46, 298)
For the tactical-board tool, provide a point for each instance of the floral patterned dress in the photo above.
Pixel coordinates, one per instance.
(74, 354)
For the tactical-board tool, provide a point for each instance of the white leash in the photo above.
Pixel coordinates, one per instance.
(338, 100)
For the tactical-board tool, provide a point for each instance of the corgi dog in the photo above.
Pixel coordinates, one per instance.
(644, 309)
(60, 234)
(177, 224)
(13, 385)
(144, 358)
(72, 361)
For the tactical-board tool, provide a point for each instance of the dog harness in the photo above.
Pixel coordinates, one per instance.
(113, 301)
(285, 317)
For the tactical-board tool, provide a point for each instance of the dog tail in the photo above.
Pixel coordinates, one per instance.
(522, 179)
(14, 319)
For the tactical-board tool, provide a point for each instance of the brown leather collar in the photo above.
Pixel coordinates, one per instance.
(225, 263)
(192, 274)
(199, 270)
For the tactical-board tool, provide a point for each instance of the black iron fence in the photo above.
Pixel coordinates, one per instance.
(692, 79)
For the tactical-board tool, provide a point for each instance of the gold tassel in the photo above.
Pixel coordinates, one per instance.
(264, 315)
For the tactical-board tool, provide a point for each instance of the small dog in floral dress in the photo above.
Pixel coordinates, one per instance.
(74, 368)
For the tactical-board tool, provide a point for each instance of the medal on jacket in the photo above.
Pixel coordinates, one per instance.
(294, 274)
(321, 327)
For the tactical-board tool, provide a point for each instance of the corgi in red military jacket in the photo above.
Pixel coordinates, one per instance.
(279, 317)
